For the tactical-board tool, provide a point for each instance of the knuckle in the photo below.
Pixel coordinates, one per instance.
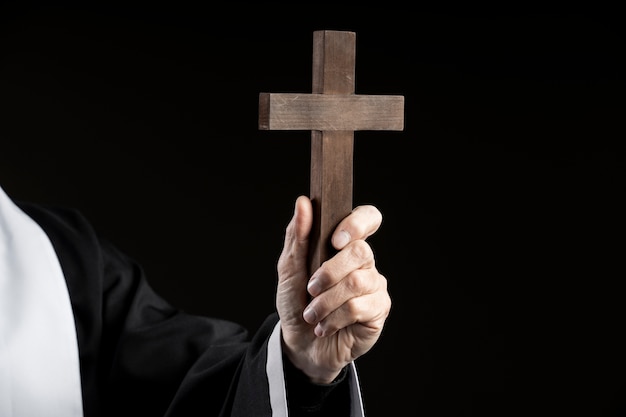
(355, 282)
(361, 250)
(352, 308)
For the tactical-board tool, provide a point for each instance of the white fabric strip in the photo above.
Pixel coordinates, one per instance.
(276, 375)
(39, 365)
(357, 399)
(276, 378)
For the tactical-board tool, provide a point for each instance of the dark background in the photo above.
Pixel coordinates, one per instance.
(503, 228)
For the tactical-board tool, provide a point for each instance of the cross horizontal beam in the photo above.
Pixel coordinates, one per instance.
(332, 112)
(295, 111)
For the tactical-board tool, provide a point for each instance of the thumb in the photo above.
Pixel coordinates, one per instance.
(303, 218)
(293, 259)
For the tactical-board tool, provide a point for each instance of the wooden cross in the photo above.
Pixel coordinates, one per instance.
(332, 112)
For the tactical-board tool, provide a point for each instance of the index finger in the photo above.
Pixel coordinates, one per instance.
(361, 223)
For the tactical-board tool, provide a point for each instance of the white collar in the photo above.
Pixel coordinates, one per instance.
(39, 365)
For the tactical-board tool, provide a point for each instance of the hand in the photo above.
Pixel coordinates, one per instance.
(336, 315)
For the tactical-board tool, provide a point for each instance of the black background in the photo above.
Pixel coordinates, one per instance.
(503, 228)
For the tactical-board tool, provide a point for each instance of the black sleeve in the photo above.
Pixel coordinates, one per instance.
(141, 356)
(307, 399)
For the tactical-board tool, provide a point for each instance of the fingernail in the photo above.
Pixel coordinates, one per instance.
(309, 315)
(313, 287)
(341, 239)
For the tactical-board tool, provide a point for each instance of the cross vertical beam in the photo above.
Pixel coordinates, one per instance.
(331, 150)
(332, 112)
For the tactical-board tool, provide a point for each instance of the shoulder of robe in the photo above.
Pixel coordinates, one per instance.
(81, 252)
(58, 221)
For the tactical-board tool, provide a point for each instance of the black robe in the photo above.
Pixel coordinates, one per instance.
(141, 356)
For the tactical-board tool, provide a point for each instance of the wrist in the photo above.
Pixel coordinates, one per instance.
(317, 373)
(323, 381)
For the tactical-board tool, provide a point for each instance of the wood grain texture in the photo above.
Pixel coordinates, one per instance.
(332, 112)
(294, 111)
(334, 59)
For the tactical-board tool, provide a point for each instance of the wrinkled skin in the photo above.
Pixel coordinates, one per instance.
(337, 314)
